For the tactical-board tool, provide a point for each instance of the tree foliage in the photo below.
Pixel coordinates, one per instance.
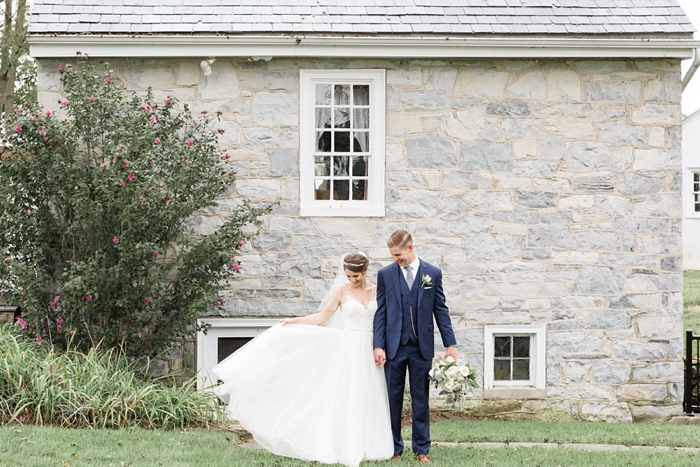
(95, 208)
(14, 65)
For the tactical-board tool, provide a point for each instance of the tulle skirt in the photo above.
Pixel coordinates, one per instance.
(310, 392)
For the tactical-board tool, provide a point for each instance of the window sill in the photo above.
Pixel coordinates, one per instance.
(342, 211)
(515, 393)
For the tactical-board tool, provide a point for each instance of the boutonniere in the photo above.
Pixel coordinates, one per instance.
(426, 281)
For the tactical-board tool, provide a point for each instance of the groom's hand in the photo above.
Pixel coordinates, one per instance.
(451, 351)
(379, 356)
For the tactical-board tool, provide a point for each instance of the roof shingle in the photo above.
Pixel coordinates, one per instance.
(362, 17)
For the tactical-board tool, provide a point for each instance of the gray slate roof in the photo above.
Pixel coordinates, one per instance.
(541, 17)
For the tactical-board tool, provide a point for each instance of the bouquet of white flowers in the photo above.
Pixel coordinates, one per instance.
(452, 380)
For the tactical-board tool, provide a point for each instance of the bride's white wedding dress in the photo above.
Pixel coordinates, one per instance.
(313, 392)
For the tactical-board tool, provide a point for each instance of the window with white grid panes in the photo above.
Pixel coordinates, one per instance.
(342, 142)
(511, 358)
(514, 356)
(696, 192)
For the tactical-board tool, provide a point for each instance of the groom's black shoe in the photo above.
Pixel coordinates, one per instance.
(423, 458)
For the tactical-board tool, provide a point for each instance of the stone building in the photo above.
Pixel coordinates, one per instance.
(533, 148)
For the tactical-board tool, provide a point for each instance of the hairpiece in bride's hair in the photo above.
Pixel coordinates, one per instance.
(356, 262)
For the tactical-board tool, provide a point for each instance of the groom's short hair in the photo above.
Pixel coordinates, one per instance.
(400, 238)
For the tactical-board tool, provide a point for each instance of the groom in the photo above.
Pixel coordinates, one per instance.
(409, 296)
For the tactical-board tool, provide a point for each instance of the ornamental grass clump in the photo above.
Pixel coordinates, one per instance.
(97, 203)
(97, 389)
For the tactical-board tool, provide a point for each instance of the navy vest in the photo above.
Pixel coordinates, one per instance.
(409, 300)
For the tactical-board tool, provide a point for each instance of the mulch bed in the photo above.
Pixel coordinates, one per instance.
(437, 415)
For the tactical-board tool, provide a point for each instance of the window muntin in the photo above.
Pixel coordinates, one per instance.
(342, 142)
(511, 358)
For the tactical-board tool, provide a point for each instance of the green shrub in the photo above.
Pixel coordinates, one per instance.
(95, 211)
(96, 389)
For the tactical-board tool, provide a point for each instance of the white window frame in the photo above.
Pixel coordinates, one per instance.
(207, 344)
(535, 387)
(374, 205)
(690, 204)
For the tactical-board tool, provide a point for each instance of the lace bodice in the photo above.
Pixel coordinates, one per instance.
(354, 314)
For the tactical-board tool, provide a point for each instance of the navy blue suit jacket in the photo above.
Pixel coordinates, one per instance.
(431, 303)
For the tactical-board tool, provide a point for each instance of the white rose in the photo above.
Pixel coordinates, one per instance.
(449, 359)
(452, 373)
(464, 371)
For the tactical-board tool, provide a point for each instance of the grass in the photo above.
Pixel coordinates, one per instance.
(31, 446)
(98, 389)
(691, 288)
(565, 433)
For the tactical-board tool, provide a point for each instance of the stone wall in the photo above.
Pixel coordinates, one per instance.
(548, 191)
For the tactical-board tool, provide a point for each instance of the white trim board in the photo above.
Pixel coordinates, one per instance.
(433, 47)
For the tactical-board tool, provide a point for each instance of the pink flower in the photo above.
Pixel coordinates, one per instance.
(29, 211)
(102, 166)
(56, 298)
(59, 327)
(122, 184)
(60, 68)
(42, 132)
(18, 128)
(147, 300)
(167, 102)
(155, 253)
(125, 164)
(88, 297)
(59, 320)
(131, 177)
(236, 267)
(115, 240)
(177, 161)
(58, 308)
(64, 103)
(144, 202)
(38, 338)
(140, 335)
(157, 141)
(242, 242)
(228, 156)
(222, 299)
(152, 163)
(108, 80)
(48, 112)
(92, 98)
(219, 130)
(153, 119)
(190, 143)
(22, 323)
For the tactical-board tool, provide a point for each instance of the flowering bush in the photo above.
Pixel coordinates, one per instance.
(95, 210)
(452, 380)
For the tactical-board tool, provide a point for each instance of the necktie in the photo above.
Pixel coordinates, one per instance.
(409, 276)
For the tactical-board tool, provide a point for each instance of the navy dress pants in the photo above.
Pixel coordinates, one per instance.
(409, 357)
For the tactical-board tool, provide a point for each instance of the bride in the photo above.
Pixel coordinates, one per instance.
(311, 392)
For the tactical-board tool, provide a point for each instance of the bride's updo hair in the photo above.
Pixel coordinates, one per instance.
(355, 262)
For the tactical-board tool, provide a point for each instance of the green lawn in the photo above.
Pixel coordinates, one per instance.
(691, 304)
(50, 446)
(691, 288)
